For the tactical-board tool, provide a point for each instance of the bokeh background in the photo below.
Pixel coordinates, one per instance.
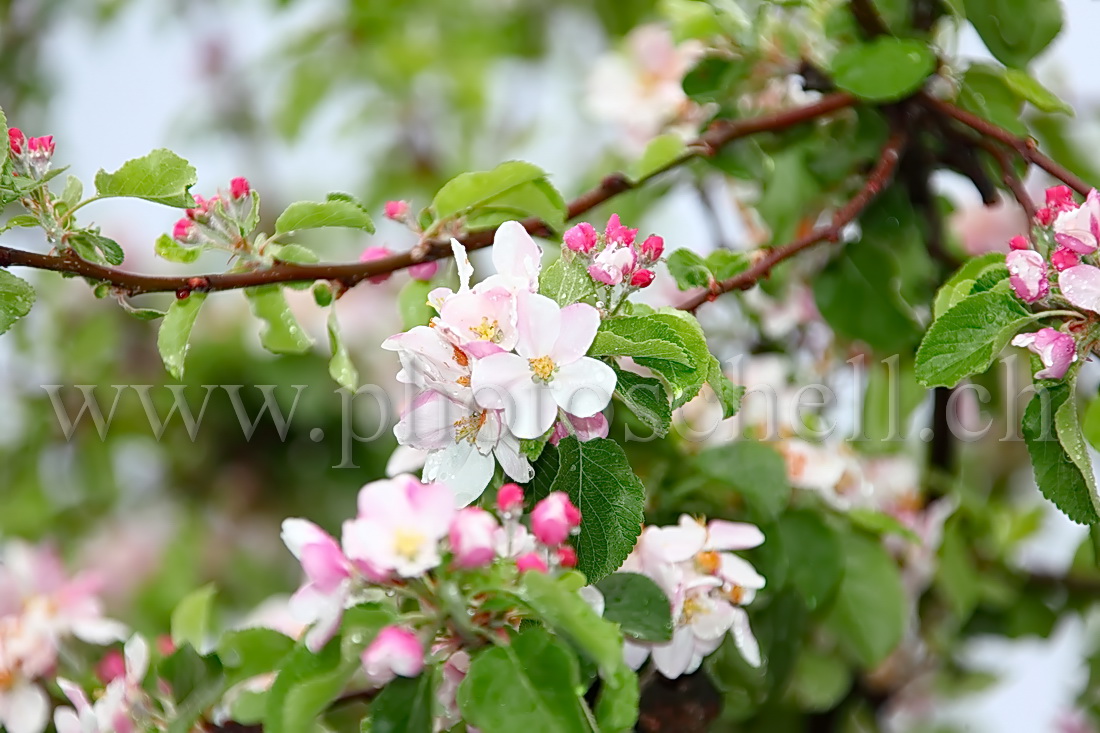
(386, 100)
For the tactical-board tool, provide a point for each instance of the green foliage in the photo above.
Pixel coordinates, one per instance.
(985, 92)
(280, 332)
(191, 619)
(646, 398)
(1062, 468)
(752, 469)
(1015, 31)
(883, 70)
(661, 152)
(161, 177)
(814, 555)
(247, 653)
(96, 248)
(340, 366)
(512, 190)
(567, 281)
(689, 269)
(639, 607)
(961, 283)
(599, 480)
(412, 303)
(335, 212)
(1029, 89)
(168, 248)
(16, 299)
(968, 337)
(175, 331)
(404, 706)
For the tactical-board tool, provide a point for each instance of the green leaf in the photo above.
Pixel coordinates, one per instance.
(880, 523)
(891, 396)
(247, 653)
(340, 366)
(729, 394)
(197, 683)
(1062, 468)
(558, 604)
(986, 93)
(531, 684)
(538, 199)
(820, 681)
(883, 70)
(598, 479)
(1090, 426)
(711, 79)
(868, 614)
(684, 382)
(754, 470)
(175, 331)
(724, 263)
(638, 336)
(967, 338)
(638, 605)
(689, 270)
(957, 579)
(814, 556)
(646, 398)
(161, 177)
(1032, 91)
(660, 152)
(72, 192)
(404, 705)
(959, 285)
(96, 248)
(469, 191)
(191, 618)
(280, 333)
(1015, 31)
(294, 253)
(566, 281)
(790, 193)
(5, 149)
(318, 214)
(168, 248)
(16, 298)
(412, 303)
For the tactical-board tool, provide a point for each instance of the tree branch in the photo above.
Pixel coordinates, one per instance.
(768, 258)
(719, 134)
(1025, 147)
(868, 18)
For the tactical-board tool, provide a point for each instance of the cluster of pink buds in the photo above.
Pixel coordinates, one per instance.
(406, 531)
(1055, 268)
(223, 220)
(614, 258)
(401, 212)
(31, 156)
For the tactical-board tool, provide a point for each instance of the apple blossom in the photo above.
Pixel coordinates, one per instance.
(1018, 242)
(1060, 198)
(531, 561)
(549, 369)
(184, 231)
(16, 140)
(1064, 258)
(472, 537)
(642, 279)
(1081, 286)
(239, 188)
(321, 600)
(396, 210)
(652, 248)
(613, 264)
(1027, 274)
(1057, 351)
(394, 652)
(554, 518)
(510, 499)
(1079, 228)
(117, 710)
(581, 238)
(584, 428)
(424, 270)
(370, 254)
(566, 556)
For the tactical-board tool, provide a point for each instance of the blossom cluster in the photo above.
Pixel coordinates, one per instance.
(1058, 270)
(222, 221)
(500, 363)
(613, 258)
(708, 587)
(30, 156)
(405, 538)
(41, 609)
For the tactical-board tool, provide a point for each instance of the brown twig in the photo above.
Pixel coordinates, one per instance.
(131, 283)
(1025, 147)
(868, 18)
(768, 258)
(1011, 180)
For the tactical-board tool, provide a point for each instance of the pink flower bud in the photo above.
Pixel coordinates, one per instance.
(110, 667)
(616, 232)
(1064, 258)
(554, 518)
(642, 278)
(653, 247)
(1060, 198)
(471, 534)
(602, 275)
(1044, 216)
(395, 651)
(1018, 242)
(581, 238)
(16, 140)
(184, 230)
(561, 431)
(510, 499)
(41, 145)
(1056, 350)
(202, 208)
(165, 645)
(239, 188)
(376, 253)
(531, 561)
(567, 556)
(1027, 274)
(396, 210)
(424, 271)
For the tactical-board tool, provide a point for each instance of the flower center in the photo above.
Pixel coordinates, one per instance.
(542, 368)
(708, 562)
(487, 331)
(735, 594)
(460, 356)
(7, 679)
(467, 428)
(691, 608)
(407, 542)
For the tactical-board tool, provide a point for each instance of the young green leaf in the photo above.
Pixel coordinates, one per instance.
(340, 366)
(1015, 31)
(538, 199)
(883, 70)
(638, 605)
(294, 253)
(752, 469)
(643, 336)
(660, 151)
(813, 553)
(689, 270)
(405, 705)
(96, 248)
(868, 614)
(191, 618)
(161, 177)
(168, 248)
(1032, 91)
(472, 190)
(566, 281)
(246, 653)
(16, 299)
(646, 398)
(280, 333)
(959, 285)
(412, 303)
(1063, 471)
(319, 214)
(175, 331)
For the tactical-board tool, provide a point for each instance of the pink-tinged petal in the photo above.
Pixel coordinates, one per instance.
(1056, 350)
(67, 721)
(583, 387)
(1073, 229)
(325, 565)
(1064, 258)
(432, 505)
(429, 422)
(26, 709)
(739, 572)
(369, 546)
(394, 651)
(675, 657)
(723, 535)
(1081, 286)
(539, 324)
(676, 544)
(516, 255)
(515, 464)
(477, 315)
(579, 323)
(482, 349)
(298, 533)
(1027, 274)
(75, 693)
(712, 618)
(496, 378)
(99, 631)
(635, 654)
(471, 536)
(385, 501)
(744, 639)
(589, 428)
(461, 467)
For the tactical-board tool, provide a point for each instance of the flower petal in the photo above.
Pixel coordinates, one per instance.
(723, 535)
(583, 387)
(463, 469)
(516, 255)
(495, 379)
(1081, 286)
(744, 638)
(579, 323)
(539, 324)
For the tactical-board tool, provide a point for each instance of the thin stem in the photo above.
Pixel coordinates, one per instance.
(1067, 314)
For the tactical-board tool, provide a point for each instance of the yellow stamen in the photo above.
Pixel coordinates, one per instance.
(407, 542)
(464, 381)
(543, 368)
(467, 428)
(487, 331)
(708, 562)
(7, 679)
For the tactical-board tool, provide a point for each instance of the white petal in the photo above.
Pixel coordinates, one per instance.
(744, 638)
(723, 535)
(99, 631)
(579, 323)
(463, 469)
(514, 463)
(66, 721)
(583, 387)
(1081, 286)
(26, 709)
(495, 379)
(429, 423)
(516, 255)
(713, 621)
(592, 596)
(739, 571)
(405, 459)
(674, 658)
(465, 269)
(137, 658)
(635, 654)
(539, 322)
